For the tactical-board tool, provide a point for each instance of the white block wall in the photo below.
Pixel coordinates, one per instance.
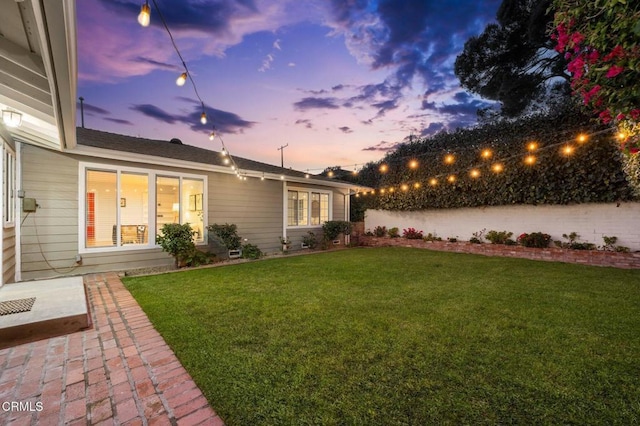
(590, 221)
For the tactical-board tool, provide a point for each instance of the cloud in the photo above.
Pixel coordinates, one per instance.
(315, 103)
(266, 63)
(92, 109)
(276, 44)
(119, 121)
(307, 123)
(223, 121)
(291, 64)
(383, 146)
(345, 129)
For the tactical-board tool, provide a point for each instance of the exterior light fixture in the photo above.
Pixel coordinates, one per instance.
(384, 168)
(582, 138)
(144, 18)
(180, 81)
(306, 175)
(530, 160)
(211, 136)
(416, 185)
(497, 168)
(11, 118)
(486, 153)
(330, 174)
(451, 178)
(568, 150)
(413, 164)
(203, 117)
(475, 173)
(223, 152)
(392, 189)
(433, 182)
(532, 146)
(382, 191)
(226, 161)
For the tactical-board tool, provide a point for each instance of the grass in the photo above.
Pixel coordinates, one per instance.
(401, 336)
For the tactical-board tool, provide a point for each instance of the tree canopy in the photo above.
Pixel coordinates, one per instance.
(514, 62)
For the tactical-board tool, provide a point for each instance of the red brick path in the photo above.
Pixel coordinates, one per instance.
(120, 372)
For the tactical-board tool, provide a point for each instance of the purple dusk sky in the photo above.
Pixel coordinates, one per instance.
(340, 81)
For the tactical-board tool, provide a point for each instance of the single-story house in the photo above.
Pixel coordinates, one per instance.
(77, 201)
(101, 204)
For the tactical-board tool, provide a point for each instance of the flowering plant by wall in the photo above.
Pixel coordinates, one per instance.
(600, 41)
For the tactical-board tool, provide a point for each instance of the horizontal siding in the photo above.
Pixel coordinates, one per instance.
(8, 255)
(338, 206)
(254, 205)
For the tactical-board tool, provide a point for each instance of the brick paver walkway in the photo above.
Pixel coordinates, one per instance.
(118, 372)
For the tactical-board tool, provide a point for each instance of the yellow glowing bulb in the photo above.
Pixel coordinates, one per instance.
(384, 168)
(621, 135)
(416, 185)
(144, 18)
(568, 150)
(451, 178)
(355, 172)
(357, 194)
(211, 136)
(182, 79)
(449, 159)
(203, 118)
(392, 189)
(306, 175)
(497, 167)
(530, 160)
(330, 174)
(405, 187)
(373, 192)
(475, 173)
(433, 182)
(532, 146)
(382, 191)
(582, 138)
(413, 164)
(486, 153)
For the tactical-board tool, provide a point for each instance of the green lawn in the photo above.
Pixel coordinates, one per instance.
(400, 336)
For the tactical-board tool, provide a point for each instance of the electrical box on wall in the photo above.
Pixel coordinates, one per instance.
(29, 205)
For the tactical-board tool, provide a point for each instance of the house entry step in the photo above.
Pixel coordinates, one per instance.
(57, 306)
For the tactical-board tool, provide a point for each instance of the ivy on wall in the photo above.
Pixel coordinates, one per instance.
(592, 173)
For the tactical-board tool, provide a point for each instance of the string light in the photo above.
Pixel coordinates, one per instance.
(212, 136)
(568, 150)
(532, 146)
(530, 160)
(382, 191)
(433, 181)
(451, 178)
(384, 168)
(144, 18)
(582, 138)
(405, 187)
(392, 189)
(622, 136)
(417, 185)
(449, 159)
(182, 79)
(306, 175)
(486, 153)
(203, 117)
(330, 174)
(497, 167)
(413, 164)
(475, 173)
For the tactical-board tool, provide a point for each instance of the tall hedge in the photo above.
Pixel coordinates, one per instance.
(594, 173)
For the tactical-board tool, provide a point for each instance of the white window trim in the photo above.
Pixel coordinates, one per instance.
(12, 186)
(151, 174)
(309, 191)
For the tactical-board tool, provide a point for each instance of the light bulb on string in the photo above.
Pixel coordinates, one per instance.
(530, 160)
(497, 168)
(226, 161)
(392, 189)
(532, 146)
(433, 181)
(449, 159)
(582, 138)
(144, 18)
(417, 185)
(474, 173)
(413, 164)
(568, 150)
(203, 117)
(382, 191)
(451, 178)
(486, 153)
(182, 79)
(384, 168)
(224, 152)
(212, 135)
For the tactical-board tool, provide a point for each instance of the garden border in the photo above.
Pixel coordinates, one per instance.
(550, 254)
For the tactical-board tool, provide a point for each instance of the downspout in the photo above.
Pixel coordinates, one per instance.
(284, 209)
(18, 217)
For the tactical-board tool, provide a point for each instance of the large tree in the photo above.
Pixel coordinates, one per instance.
(514, 62)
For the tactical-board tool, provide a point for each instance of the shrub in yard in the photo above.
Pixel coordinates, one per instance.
(476, 237)
(251, 251)
(573, 243)
(534, 239)
(310, 240)
(177, 240)
(332, 228)
(226, 234)
(394, 232)
(431, 237)
(412, 234)
(610, 245)
(499, 237)
(380, 231)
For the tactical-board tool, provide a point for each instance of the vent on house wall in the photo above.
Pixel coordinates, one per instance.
(176, 141)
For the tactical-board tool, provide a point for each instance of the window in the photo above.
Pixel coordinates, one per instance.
(302, 213)
(127, 207)
(9, 186)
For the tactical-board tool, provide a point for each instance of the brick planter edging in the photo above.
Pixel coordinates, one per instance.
(551, 254)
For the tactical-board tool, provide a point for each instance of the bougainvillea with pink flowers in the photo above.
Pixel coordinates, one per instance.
(600, 39)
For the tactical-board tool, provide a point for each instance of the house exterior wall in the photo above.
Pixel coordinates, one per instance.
(590, 221)
(51, 235)
(8, 255)
(8, 229)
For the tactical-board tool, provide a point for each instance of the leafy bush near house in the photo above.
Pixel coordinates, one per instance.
(380, 231)
(610, 245)
(251, 251)
(476, 237)
(534, 239)
(412, 234)
(310, 240)
(431, 237)
(573, 243)
(177, 240)
(452, 239)
(498, 237)
(394, 232)
(226, 234)
(332, 228)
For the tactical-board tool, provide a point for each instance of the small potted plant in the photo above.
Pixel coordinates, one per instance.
(286, 243)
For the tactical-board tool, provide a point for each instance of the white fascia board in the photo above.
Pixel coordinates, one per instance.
(172, 162)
